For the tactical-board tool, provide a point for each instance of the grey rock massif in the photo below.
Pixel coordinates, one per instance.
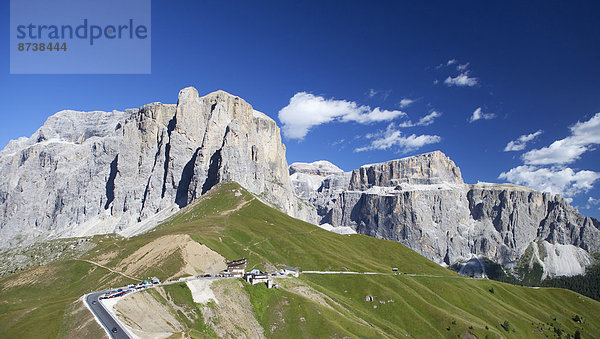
(85, 173)
(423, 202)
(88, 173)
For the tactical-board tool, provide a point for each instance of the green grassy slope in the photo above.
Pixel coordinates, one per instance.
(234, 223)
(33, 303)
(434, 307)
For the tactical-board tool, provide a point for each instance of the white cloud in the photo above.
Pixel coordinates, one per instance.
(382, 94)
(521, 142)
(563, 181)
(335, 143)
(405, 102)
(462, 67)
(564, 151)
(429, 119)
(461, 80)
(392, 137)
(592, 202)
(478, 115)
(306, 110)
(424, 121)
(450, 62)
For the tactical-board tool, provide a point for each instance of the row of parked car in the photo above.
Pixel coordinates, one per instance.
(124, 290)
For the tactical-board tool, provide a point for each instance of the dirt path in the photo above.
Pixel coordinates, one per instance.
(110, 269)
(236, 208)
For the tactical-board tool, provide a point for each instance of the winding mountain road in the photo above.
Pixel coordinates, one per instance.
(112, 326)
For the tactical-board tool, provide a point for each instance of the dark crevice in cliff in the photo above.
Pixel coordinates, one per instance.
(170, 129)
(146, 191)
(181, 199)
(212, 177)
(110, 183)
(476, 210)
(546, 223)
(158, 148)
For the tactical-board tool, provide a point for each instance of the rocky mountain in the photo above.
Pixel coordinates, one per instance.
(85, 173)
(88, 173)
(423, 202)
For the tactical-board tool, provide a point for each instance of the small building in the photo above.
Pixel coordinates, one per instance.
(235, 268)
(155, 280)
(259, 278)
(256, 277)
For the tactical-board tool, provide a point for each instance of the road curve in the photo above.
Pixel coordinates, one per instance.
(104, 316)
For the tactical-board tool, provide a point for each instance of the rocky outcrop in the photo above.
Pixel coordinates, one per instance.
(422, 202)
(426, 169)
(86, 173)
(319, 183)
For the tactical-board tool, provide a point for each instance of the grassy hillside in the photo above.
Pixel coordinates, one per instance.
(235, 224)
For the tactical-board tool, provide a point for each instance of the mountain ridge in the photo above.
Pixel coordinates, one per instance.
(423, 202)
(85, 173)
(427, 301)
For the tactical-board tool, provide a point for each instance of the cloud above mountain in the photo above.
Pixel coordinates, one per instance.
(306, 110)
(546, 168)
(392, 137)
(564, 181)
(584, 135)
(521, 142)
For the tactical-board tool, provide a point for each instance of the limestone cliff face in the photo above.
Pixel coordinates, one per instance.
(99, 172)
(429, 168)
(422, 202)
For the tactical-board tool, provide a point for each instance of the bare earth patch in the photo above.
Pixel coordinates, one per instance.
(33, 276)
(232, 317)
(198, 258)
(201, 291)
(105, 258)
(146, 317)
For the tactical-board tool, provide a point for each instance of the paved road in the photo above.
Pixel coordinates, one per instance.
(105, 317)
(381, 273)
(108, 321)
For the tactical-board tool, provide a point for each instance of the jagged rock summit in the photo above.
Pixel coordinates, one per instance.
(88, 173)
(423, 202)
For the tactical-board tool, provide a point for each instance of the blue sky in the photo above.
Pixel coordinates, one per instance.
(347, 72)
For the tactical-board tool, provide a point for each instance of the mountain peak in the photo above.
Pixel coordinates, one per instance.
(319, 167)
(428, 168)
